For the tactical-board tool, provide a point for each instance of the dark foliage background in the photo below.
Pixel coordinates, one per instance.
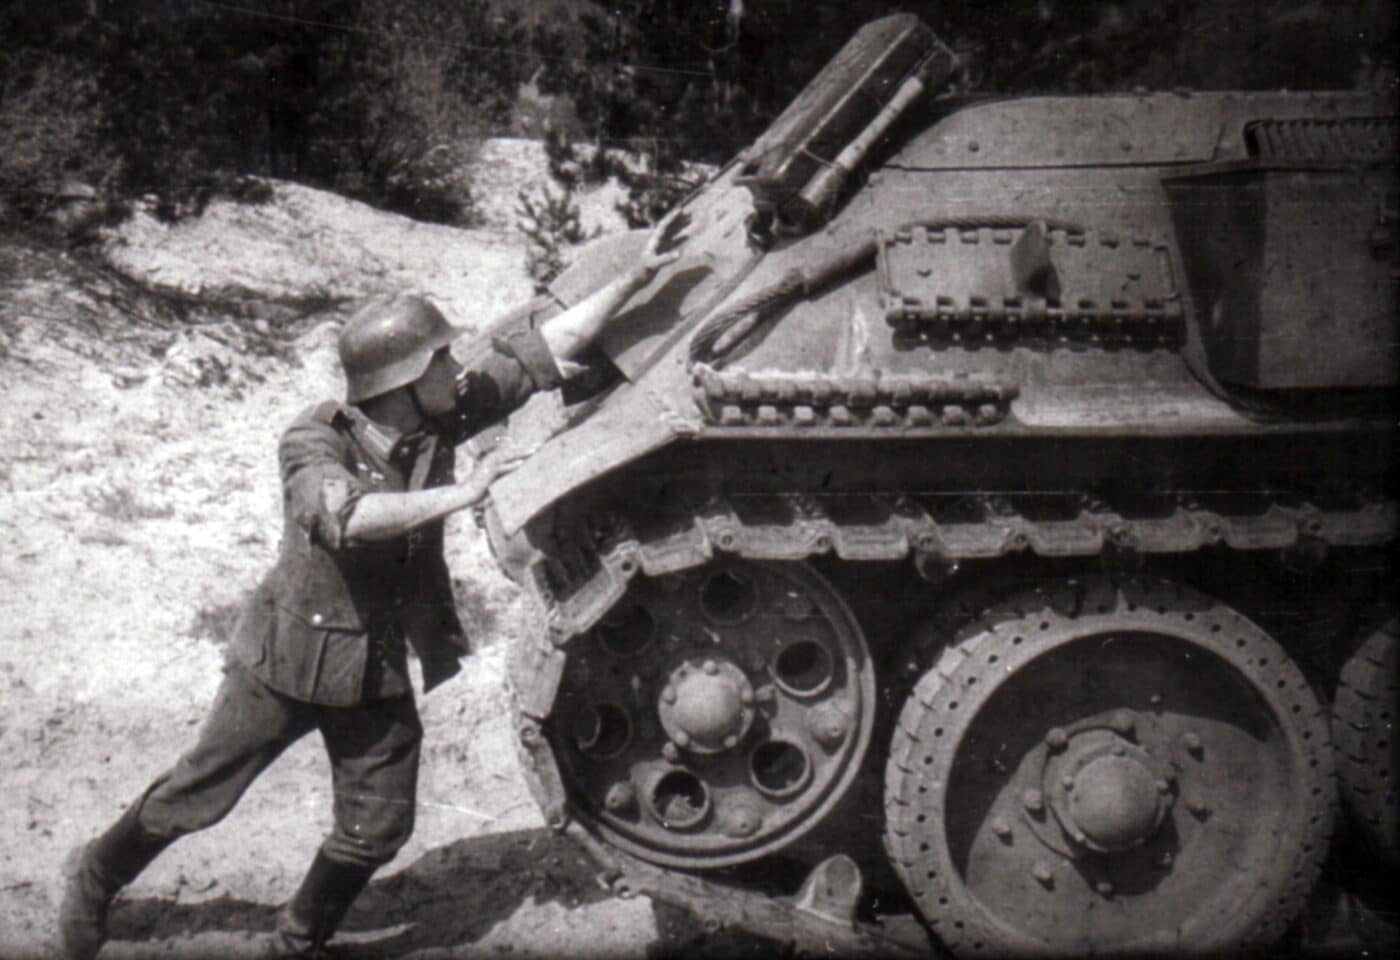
(380, 99)
(373, 98)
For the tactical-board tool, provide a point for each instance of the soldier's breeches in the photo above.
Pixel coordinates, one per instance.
(374, 769)
(373, 750)
(246, 729)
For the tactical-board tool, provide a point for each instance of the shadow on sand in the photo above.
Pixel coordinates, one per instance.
(451, 896)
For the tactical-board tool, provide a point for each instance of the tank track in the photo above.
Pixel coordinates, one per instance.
(594, 553)
(787, 922)
(807, 924)
(614, 548)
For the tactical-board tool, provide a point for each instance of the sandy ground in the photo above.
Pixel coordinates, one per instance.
(138, 504)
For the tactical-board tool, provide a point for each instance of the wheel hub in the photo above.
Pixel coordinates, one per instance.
(1113, 794)
(1115, 803)
(707, 707)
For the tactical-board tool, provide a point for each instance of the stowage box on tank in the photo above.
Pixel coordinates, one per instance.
(992, 507)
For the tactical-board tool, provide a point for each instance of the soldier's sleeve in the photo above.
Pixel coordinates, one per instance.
(320, 490)
(499, 373)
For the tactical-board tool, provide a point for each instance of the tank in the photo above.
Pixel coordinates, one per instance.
(992, 504)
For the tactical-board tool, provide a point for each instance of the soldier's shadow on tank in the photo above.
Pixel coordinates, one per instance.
(659, 312)
(451, 896)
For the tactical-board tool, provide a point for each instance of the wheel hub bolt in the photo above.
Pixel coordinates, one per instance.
(1165, 860)
(669, 694)
(1001, 829)
(1120, 751)
(711, 667)
(730, 742)
(621, 797)
(1198, 808)
(1124, 723)
(1163, 787)
(1104, 888)
(1155, 700)
(741, 817)
(1056, 739)
(1043, 874)
(1192, 741)
(1033, 801)
(682, 738)
(669, 751)
(1067, 782)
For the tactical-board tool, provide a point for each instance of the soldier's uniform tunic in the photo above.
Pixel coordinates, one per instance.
(322, 642)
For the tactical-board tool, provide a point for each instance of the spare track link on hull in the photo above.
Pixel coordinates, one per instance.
(1115, 768)
(871, 528)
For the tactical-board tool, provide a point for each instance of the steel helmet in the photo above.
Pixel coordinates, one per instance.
(389, 342)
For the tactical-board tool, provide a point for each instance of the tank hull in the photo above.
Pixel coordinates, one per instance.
(1122, 367)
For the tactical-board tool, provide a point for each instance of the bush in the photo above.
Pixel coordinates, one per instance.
(434, 186)
(372, 98)
(192, 194)
(550, 222)
(395, 134)
(656, 180)
(561, 159)
(53, 124)
(655, 185)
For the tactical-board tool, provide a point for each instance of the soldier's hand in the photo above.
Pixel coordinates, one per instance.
(503, 459)
(498, 462)
(663, 246)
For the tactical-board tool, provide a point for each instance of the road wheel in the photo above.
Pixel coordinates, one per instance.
(1363, 717)
(1102, 767)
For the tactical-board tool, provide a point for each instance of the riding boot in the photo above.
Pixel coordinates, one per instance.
(312, 916)
(94, 876)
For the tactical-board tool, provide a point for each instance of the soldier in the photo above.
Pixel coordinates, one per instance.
(360, 575)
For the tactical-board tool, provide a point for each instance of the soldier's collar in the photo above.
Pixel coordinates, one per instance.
(374, 437)
(383, 441)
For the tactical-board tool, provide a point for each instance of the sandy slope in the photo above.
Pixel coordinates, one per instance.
(138, 502)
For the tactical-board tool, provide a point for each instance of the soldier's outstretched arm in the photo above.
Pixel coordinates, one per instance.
(574, 329)
(383, 516)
